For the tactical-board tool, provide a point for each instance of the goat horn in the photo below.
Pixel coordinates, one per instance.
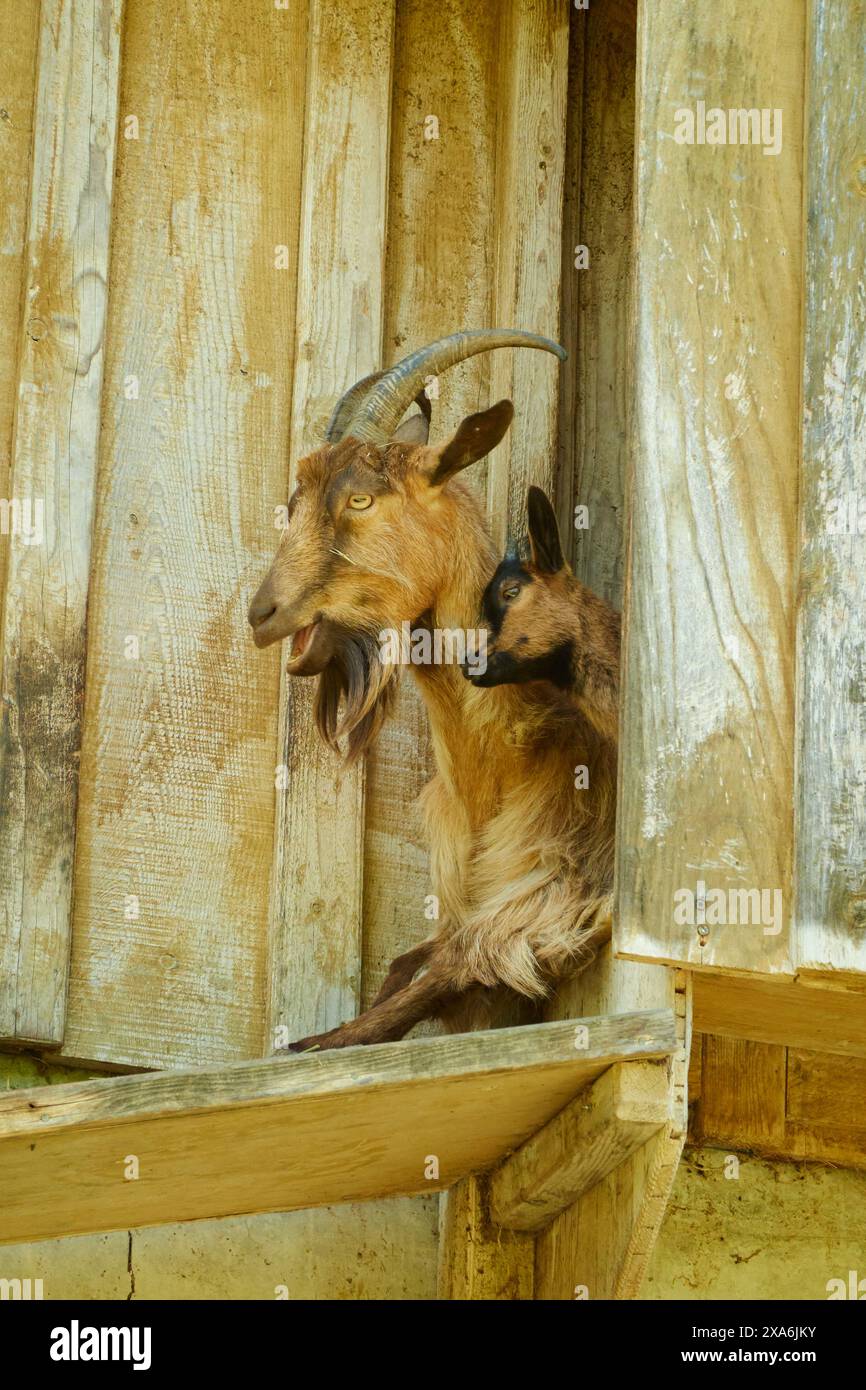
(512, 550)
(352, 398)
(375, 413)
(348, 403)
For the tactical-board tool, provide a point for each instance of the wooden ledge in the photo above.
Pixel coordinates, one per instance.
(291, 1132)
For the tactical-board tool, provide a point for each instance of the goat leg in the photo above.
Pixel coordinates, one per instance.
(391, 1018)
(403, 969)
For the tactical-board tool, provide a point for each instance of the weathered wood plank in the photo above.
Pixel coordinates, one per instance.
(708, 682)
(441, 196)
(779, 1011)
(176, 816)
(53, 478)
(597, 1132)
(295, 1131)
(477, 1261)
(530, 178)
(317, 885)
(19, 25)
(830, 817)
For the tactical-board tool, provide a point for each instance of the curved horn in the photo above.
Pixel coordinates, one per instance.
(375, 417)
(351, 400)
(348, 403)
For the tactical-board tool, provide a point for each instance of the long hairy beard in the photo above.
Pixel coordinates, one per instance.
(354, 694)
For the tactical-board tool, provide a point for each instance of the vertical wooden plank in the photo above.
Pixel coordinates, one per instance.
(19, 25)
(706, 794)
(315, 970)
(830, 868)
(476, 1260)
(596, 300)
(60, 366)
(176, 819)
(530, 180)
(443, 143)
(742, 1094)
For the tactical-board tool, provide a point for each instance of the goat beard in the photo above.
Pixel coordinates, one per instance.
(354, 694)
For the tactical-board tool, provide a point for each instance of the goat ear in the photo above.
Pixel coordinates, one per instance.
(475, 437)
(544, 539)
(415, 430)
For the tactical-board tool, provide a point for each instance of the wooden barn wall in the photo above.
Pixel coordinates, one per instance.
(260, 260)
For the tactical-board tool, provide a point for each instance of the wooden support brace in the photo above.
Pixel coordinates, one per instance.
(597, 1132)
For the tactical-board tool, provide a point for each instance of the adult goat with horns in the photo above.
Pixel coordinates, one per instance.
(383, 531)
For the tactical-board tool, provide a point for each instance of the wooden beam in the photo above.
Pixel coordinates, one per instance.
(477, 1261)
(597, 1132)
(53, 478)
(293, 1132)
(708, 651)
(317, 885)
(781, 1011)
(600, 1247)
(830, 866)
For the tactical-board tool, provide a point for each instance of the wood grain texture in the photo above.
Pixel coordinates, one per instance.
(19, 25)
(830, 867)
(596, 301)
(177, 805)
(600, 1247)
(598, 1131)
(781, 1102)
(779, 1011)
(294, 1132)
(708, 683)
(317, 885)
(440, 197)
(477, 1260)
(56, 435)
(742, 1093)
(530, 178)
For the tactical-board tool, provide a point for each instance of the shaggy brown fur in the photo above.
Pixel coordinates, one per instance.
(521, 862)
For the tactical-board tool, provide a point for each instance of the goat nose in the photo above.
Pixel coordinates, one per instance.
(260, 611)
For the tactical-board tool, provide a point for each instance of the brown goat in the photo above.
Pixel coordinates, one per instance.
(545, 625)
(382, 531)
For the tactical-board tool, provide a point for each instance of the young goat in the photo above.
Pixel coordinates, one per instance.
(545, 625)
(383, 531)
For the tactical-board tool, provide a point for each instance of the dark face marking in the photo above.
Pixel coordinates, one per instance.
(509, 579)
(506, 668)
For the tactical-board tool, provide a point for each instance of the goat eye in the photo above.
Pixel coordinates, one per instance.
(360, 501)
(510, 591)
